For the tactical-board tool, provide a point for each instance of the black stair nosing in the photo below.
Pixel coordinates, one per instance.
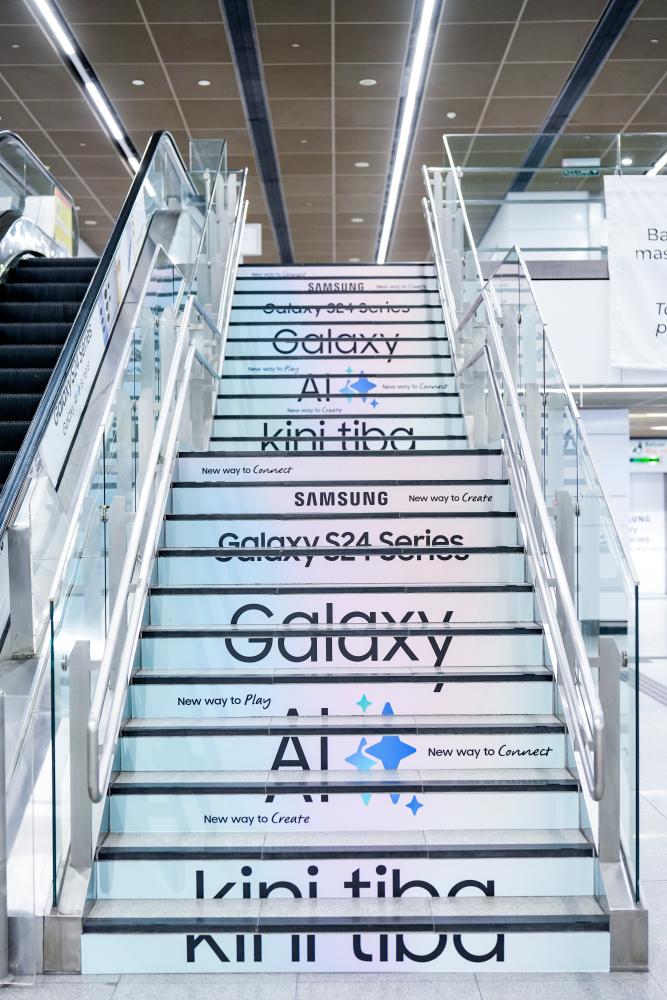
(325, 483)
(367, 374)
(328, 786)
(352, 338)
(331, 396)
(349, 629)
(359, 552)
(456, 452)
(372, 725)
(327, 515)
(342, 589)
(281, 321)
(579, 849)
(348, 925)
(341, 291)
(153, 676)
(338, 416)
(408, 439)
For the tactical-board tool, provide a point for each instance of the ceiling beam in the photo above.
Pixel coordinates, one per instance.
(244, 44)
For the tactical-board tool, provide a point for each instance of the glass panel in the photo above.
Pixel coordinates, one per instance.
(602, 581)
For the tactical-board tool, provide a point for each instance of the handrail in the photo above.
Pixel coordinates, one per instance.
(581, 702)
(100, 758)
(11, 496)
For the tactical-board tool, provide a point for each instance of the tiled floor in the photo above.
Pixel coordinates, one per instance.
(649, 986)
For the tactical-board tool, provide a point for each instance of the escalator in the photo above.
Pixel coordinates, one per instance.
(39, 301)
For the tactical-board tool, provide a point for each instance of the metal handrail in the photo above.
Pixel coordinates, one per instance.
(100, 758)
(12, 494)
(581, 701)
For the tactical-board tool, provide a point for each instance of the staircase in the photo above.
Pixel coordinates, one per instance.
(343, 749)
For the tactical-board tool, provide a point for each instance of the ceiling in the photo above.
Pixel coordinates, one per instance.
(498, 65)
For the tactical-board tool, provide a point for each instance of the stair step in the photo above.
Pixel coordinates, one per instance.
(244, 360)
(258, 691)
(325, 269)
(322, 283)
(345, 531)
(400, 564)
(212, 493)
(471, 468)
(334, 743)
(219, 605)
(348, 801)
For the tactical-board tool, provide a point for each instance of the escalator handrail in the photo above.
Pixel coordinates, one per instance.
(11, 495)
(6, 136)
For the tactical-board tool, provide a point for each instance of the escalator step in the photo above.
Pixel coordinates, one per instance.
(42, 291)
(38, 312)
(31, 381)
(45, 262)
(19, 406)
(34, 333)
(6, 462)
(12, 433)
(29, 355)
(56, 272)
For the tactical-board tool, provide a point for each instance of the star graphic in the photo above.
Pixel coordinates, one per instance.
(374, 403)
(414, 805)
(394, 796)
(359, 759)
(365, 797)
(363, 385)
(390, 751)
(364, 703)
(349, 370)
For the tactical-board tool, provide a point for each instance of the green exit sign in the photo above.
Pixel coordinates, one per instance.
(581, 166)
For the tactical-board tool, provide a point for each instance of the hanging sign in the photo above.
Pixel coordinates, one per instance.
(637, 221)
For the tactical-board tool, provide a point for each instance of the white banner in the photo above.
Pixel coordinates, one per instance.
(637, 218)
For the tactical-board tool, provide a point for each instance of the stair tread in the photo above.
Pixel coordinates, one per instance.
(357, 723)
(343, 672)
(347, 780)
(403, 909)
(377, 840)
(351, 628)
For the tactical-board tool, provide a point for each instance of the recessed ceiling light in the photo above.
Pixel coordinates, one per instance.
(361, 164)
(203, 83)
(90, 222)
(451, 114)
(367, 81)
(356, 218)
(137, 83)
(626, 161)
(354, 260)
(296, 45)
(654, 41)
(309, 204)
(15, 45)
(303, 142)
(83, 145)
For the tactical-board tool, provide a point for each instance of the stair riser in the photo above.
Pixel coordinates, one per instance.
(204, 879)
(362, 469)
(308, 367)
(261, 608)
(342, 272)
(369, 434)
(331, 752)
(178, 812)
(274, 438)
(228, 700)
(342, 568)
(338, 497)
(341, 405)
(328, 296)
(358, 341)
(296, 309)
(556, 951)
(349, 389)
(295, 351)
(203, 652)
(341, 533)
(348, 283)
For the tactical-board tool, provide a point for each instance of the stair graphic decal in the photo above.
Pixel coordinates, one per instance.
(343, 748)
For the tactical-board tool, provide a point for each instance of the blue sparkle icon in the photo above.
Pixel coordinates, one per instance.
(374, 403)
(364, 703)
(359, 759)
(365, 797)
(349, 370)
(390, 751)
(414, 805)
(363, 386)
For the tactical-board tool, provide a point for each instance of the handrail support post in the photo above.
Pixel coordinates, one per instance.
(21, 610)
